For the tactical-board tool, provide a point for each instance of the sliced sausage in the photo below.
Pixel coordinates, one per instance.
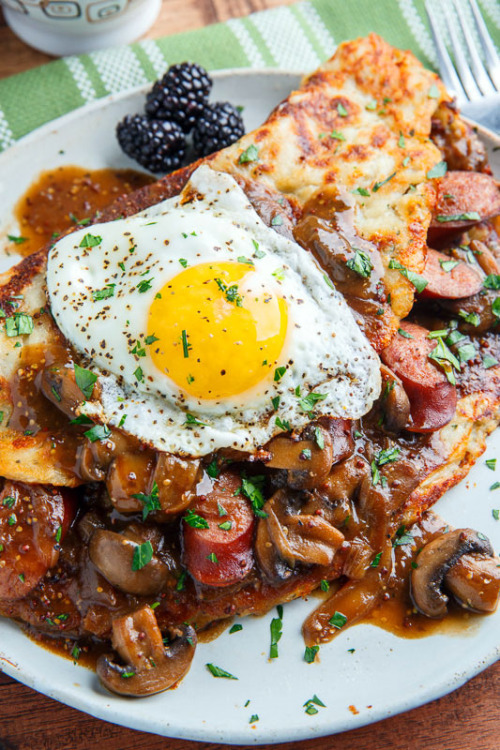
(460, 193)
(221, 554)
(461, 281)
(432, 398)
(32, 519)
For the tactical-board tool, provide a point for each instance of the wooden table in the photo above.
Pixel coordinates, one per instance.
(465, 720)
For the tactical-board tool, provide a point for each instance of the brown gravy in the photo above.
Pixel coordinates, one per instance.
(63, 198)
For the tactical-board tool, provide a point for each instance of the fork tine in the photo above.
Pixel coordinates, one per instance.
(492, 59)
(480, 74)
(461, 62)
(446, 69)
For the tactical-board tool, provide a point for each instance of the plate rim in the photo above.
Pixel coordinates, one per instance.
(438, 688)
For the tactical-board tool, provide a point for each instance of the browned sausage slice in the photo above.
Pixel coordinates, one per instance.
(31, 527)
(464, 194)
(458, 282)
(221, 554)
(432, 398)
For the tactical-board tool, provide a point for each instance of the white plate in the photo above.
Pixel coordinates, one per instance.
(384, 676)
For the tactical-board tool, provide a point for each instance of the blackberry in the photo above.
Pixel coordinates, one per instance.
(218, 126)
(180, 95)
(156, 145)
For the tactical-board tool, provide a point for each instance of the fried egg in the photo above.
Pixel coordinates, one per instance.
(206, 328)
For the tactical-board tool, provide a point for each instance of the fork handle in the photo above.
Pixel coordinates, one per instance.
(485, 113)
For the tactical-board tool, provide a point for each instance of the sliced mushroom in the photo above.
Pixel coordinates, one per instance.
(175, 478)
(394, 401)
(149, 667)
(94, 458)
(474, 581)
(296, 537)
(130, 474)
(113, 556)
(58, 384)
(307, 461)
(433, 563)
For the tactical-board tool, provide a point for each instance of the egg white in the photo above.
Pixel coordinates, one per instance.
(325, 351)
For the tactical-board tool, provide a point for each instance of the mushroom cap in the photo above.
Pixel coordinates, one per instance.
(159, 674)
(435, 560)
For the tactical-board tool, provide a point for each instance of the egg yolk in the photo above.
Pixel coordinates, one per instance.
(219, 332)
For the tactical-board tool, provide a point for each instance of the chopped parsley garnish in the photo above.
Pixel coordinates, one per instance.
(360, 264)
(150, 339)
(401, 140)
(489, 361)
(185, 345)
(338, 620)
(221, 510)
(414, 278)
(194, 520)
(253, 718)
(328, 281)
(138, 350)
(404, 333)
(448, 265)
(341, 110)
(212, 469)
(492, 281)
(16, 240)
(308, 403)
(306, 454)
(276, 221)
(378, 185)
(388, 456)
(75, 653)
(212, 557)
(249, 154)
(319, 438)
(466, 352)
(252, 489)
(58, 534)
(337, 136)
(179, 586)
(231, 292)
(472, 317)
(491, 463)
(495, 307)
(100, 294)
(467, 216)
(144, 285)
(279, 274)
(275, 402)
(278, 373)
(244, 259)
(310, 705)
(138, 374)
(20, 324)
(150, 502)
(226, 525)
(143, 554)
(283, 424)
(192, 421)
(235, 628)
(82, 419)
(276, 633)
(90, 240)
(218, 672)
(324, 585)
(438, 171)
(9, 501)
(495, 486)
(402, 537)
(496, 514)
(376, 560)
(445, 359)
(183, 262)
(310, 654)
(371, 106)
(362, 191)
(97, 432)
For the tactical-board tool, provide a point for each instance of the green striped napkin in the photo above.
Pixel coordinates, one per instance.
(297, 37)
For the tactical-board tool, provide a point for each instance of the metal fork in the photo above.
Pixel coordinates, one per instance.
(473, 78)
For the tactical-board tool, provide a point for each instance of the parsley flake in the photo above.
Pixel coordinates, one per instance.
(90, 240)
(249, 154)
(360, 264)
(143, 554)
